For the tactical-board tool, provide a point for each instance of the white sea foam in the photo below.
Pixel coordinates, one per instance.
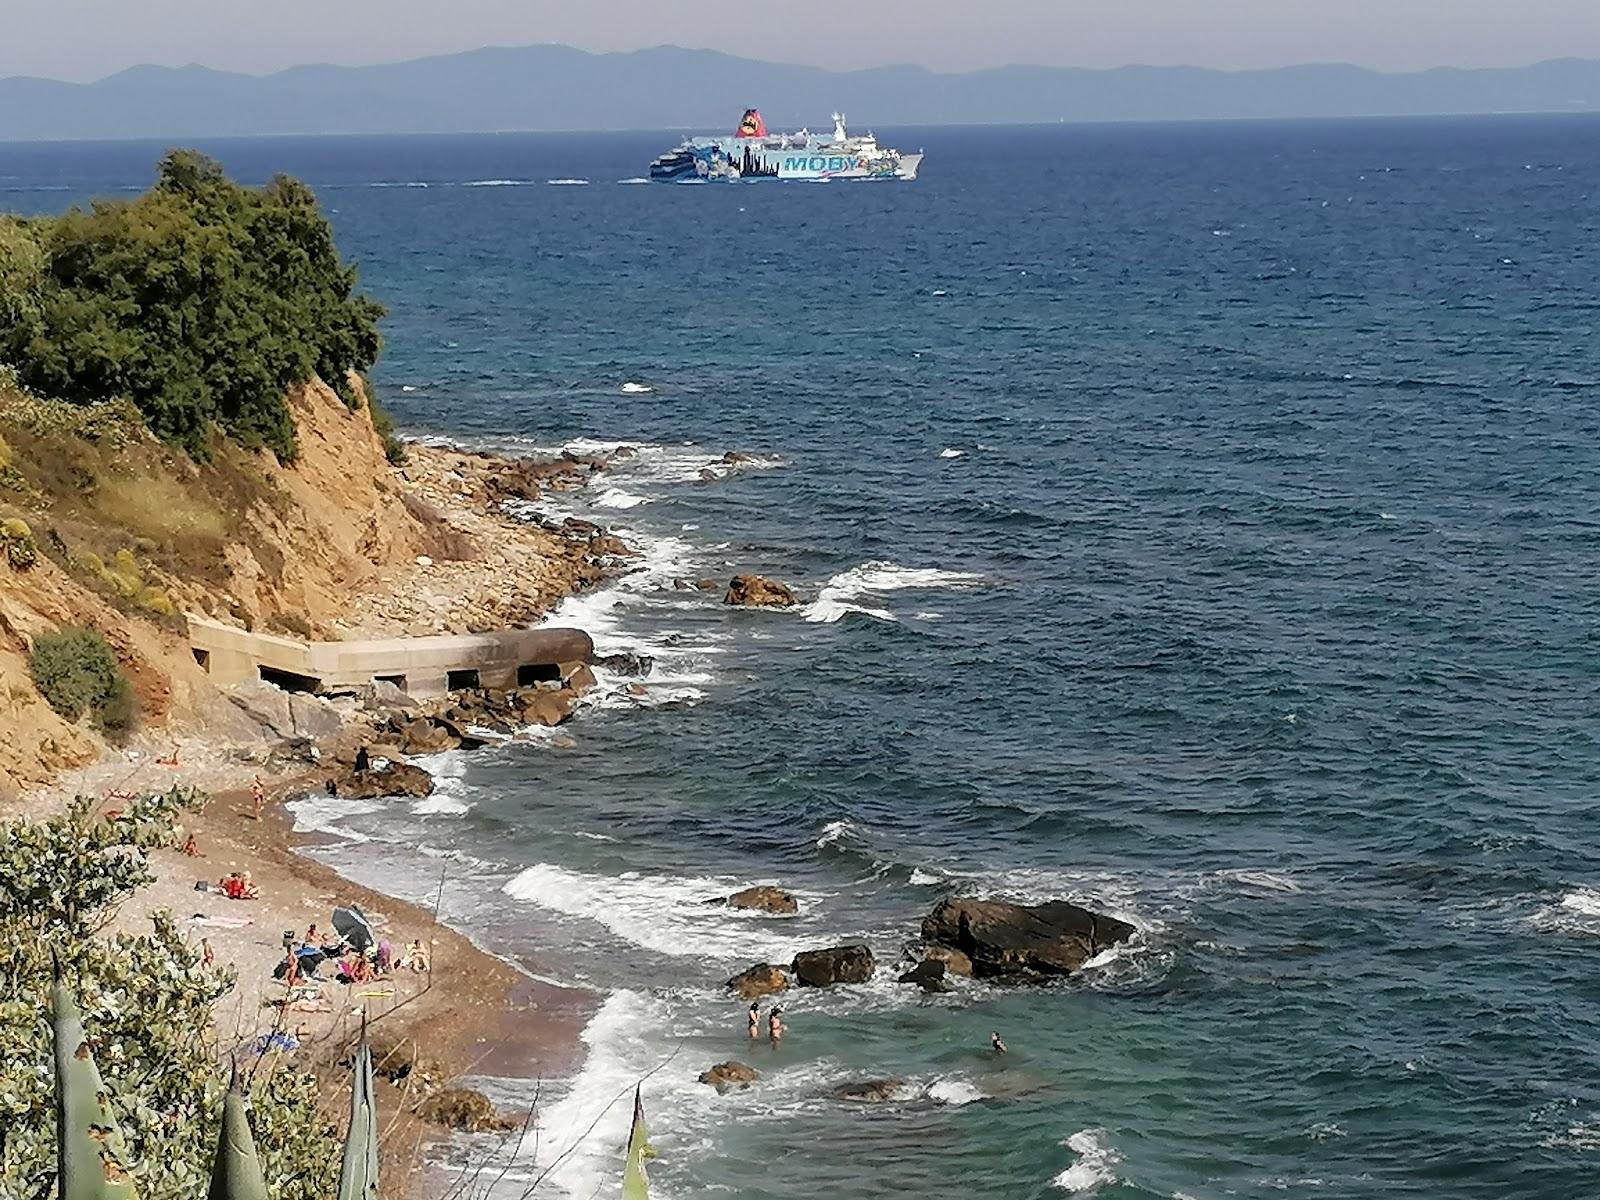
(635, 180)
(921, 878)
(617, 498)
(567, 182)
(581, 1132)
(318, 813)
(631, 388)
(665, 914)
(1580, 1135)
(1267, 881)
(838, 597)
(1095, 1166)
(1578, 911)
(953, 1091)
(836, 831)
(497, 183)
(952, 452)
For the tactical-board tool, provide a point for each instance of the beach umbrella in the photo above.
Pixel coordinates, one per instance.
(236, 1171)
(354, 927)
(92, 1160)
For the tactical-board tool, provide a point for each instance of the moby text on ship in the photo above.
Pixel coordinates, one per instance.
(753, 153)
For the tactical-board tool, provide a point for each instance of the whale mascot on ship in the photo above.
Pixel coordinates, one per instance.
(751, 125)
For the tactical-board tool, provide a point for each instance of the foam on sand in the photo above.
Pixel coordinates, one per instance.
(666, 914)
(839, 597)
(1095, 1166)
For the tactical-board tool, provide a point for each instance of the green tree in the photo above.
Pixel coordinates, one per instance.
(201, 301)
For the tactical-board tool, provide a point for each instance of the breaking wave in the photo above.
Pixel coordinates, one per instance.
(839, 597)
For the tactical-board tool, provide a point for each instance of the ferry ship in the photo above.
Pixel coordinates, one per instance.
(753, 153)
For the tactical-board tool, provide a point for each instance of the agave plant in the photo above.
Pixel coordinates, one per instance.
(358, 1174)
(236, 1170)
(92, 1159)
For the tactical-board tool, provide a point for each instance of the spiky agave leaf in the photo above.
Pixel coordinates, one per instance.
(358, 1174)
(92, 1159)
(236, 1171)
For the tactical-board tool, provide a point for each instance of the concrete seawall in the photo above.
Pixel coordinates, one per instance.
(420, 666)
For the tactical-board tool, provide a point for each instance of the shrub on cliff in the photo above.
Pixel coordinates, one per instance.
(201, 301)
(147, 1005)
(77, 674)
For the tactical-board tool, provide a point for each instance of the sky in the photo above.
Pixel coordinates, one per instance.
(87, 39)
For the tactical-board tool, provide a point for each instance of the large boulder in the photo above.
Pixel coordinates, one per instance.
(763, 898)
(394, 779)
(282, 714)
(547, 706)
(763, 979)
(838, 964)
(757, 591)
(729, 1074)
(426, 736)
(577, 676)
(955, 962)
(1022, 940)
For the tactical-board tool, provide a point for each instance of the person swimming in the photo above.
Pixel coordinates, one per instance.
(775, 1025)
(755, 1019)
(998, 1046)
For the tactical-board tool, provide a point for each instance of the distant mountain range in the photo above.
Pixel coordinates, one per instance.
(560, 88)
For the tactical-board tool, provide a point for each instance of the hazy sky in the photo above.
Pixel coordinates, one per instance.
(85, 39)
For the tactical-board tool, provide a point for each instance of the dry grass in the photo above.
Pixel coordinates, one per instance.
(160, 509)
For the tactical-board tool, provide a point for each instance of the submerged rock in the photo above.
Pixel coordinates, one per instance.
(763, 898)
(838, 964)
(757, 591)
(763, 979)
(955, 962)
(1022, 940)
(729, 1074)
(626, 663)
(465, 1109)
(868, 1091)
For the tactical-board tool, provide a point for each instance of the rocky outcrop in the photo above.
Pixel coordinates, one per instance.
(626, 663)
(729, 1074)
(763, 979)
(465, 1109)
(757, 591)
(838, 964)
(282, 714)
(763, 898)
(391, 779)
(868, 1091)
(1022, 941)
(928, 975)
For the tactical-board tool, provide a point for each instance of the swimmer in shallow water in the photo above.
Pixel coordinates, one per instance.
(775, 1025)
(996, 1044)
(755, 1019)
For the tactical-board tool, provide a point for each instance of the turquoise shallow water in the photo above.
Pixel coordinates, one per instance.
(1199, 523)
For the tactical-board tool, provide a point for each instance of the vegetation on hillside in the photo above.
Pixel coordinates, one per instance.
(77, 674)
(147, 1008)
(201, 301)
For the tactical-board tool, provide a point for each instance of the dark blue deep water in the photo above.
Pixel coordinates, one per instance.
(1201, 523)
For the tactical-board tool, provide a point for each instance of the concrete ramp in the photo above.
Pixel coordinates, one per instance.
(420, 666)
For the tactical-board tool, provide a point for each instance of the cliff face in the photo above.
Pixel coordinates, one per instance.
(130, 537)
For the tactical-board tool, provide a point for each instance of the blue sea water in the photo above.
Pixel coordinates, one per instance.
(1198, 522)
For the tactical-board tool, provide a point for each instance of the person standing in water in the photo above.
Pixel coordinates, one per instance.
(775, 1025)
(998, 1046)
(755, 1019)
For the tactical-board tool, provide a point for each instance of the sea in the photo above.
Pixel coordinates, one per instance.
(1199, 522)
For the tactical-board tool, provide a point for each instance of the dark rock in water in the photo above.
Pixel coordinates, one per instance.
(729, 1074)
(757, 591)
(735, 457)
(928, 975)
(707, 585)
(396, 779)
(868, 1091)
(839, 964)
(955, 962)
(465, 1109)
(1022, 940)
(763, 898)
(763, 979)
(626, 664)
